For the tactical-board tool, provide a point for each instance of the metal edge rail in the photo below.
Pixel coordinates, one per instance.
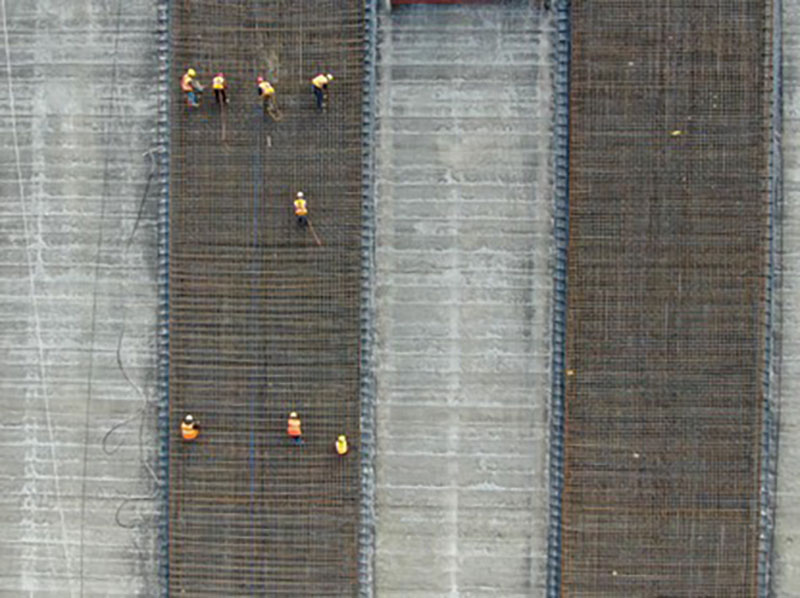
(366, 534)
(562, 53)
(162, 336)
(769, 424)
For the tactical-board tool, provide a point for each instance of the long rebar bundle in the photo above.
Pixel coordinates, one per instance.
(668, 257)
(263, 320)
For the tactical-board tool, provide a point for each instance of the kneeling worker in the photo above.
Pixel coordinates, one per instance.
(341, 445)
(293, 428)
(190, 429)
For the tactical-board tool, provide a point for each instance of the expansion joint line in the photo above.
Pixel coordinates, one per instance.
(562, 50)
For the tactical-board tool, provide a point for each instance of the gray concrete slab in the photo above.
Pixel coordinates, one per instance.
(787, 523)
(77, 297)
(463, 289)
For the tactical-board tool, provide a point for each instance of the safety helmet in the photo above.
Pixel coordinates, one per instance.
(188, 419)
(259, 79)
(220, 75)
(329, 77)
(191, 72)
(293, 414)
(300, 194)
(341, 438)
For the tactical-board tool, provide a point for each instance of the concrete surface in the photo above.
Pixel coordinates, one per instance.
(463, 290)
(787, 524)
(77, 282)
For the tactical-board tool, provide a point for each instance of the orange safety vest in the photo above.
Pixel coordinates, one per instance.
(319, 81)
(266, 89)
(219, 82)
(300, 207)
(293, 428)
(189, 431)
(186, 83)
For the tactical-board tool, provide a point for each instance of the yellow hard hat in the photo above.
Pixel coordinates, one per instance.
(191, 72)
(342, 437)
(293, 414)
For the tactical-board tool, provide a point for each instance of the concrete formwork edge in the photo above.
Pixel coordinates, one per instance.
(162, 151)
(561, 49)
(366, 540)
(771, 382)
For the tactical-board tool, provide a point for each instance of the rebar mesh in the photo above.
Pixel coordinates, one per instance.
(668, 257)
(264, 321)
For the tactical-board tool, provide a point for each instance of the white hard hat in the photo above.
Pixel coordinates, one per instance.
(293, 414)
(189, 419)
(299, 194)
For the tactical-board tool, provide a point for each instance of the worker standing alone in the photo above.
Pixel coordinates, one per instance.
(220, 88)
(319, 85)
(190, 429)
(191, 88)
(293, 428)
(301, 209)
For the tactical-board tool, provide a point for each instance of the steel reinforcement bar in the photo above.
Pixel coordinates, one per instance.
(668, 314)
(266, 317)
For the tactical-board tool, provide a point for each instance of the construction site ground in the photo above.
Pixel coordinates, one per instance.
(264, 319)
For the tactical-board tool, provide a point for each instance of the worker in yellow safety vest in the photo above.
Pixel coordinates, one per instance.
(190, 429)
(191, 88)
(301, 209)
(341, 445)
(319, 85)
(267, 92)
(293, 428)
(220, 88)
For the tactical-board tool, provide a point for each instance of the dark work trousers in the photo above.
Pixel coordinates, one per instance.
(320, 95)
(220, 96)
(302, 221)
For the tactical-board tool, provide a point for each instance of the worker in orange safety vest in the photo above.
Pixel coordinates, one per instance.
(301, 209)
(191, 88)
(220, 88)
(319, 85)
(293, 428)
(341, 445)
(190, 429)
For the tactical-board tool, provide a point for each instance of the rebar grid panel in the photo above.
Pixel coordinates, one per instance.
(667, 262)
(264, 321)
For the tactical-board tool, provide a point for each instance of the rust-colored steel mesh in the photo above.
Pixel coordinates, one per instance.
(666, 303)
(264, 321)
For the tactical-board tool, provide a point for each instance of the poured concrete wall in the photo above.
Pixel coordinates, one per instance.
(463, 291)
(77, 297)
(787, 530)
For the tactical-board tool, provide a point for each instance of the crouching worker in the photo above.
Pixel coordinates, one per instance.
(341, 445)
(293, 428)
(190, 429)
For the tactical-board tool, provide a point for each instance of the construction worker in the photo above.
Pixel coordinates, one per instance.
(191, 88)
(301, 209)
(293, 428)
(341, 445)
(267, 93)
(190, 429)
(319, 85)
(220, 88)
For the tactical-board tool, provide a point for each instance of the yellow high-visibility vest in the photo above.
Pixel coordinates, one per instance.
(266, 89)
(319, 81)
(186, 82)
(219, 82)
(341, 445)
(189, 431)
(300, 207)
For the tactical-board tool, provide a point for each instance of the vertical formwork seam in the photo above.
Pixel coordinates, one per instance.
(366, 538)
(163, 9)
(769, 429)
(561, 239)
